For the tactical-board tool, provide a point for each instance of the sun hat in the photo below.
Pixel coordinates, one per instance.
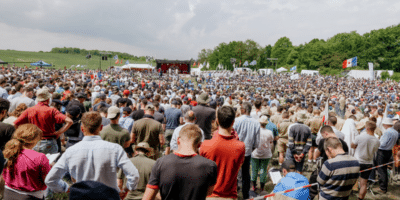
(203, 98)
(145, 146)
(263, 119)
(43, 94)
(387, 121)
(301, 117)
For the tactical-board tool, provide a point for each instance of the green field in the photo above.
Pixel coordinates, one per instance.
(59, 60)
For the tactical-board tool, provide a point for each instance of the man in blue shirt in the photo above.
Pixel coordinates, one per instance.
(384, 153)
(291, 180)
(86, 160)
(174, 118)
(3, 92)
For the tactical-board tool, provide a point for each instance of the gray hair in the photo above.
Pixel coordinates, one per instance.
(246, 106)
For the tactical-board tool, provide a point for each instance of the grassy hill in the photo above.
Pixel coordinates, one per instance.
(58, 60)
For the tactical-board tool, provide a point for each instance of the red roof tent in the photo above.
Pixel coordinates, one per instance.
(182, 65)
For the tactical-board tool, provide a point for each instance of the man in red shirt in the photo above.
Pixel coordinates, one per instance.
(227, 151)
(45, 117)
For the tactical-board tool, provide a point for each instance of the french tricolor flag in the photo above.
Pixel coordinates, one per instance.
(350, 62)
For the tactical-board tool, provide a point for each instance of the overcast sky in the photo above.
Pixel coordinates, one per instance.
(180, 29)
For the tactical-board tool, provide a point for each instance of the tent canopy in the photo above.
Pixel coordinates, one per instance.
(309, 72)
(137, 66)
(281, 70)
(40, 63)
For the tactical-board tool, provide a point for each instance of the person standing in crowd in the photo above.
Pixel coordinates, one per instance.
(114, 97)
(104, 120)
(315, 123)
(384, 153)
(21, 174)
(80, 99)
(299, 141)
(190, 118)
(227, 152)
(148, 130)
(283, 136)
(257, 112)
(144, 165)
(339, 173)
(158, 116)
(6, 130)
(291, 179)
(3, 92)
(365, 145)
(45, 118)
(139, 113)
(260, 157)
(173, 175)
(86, 160)
(204, 114)
(125, 121)
(186, 106)
(102, 102)
(174, 118)
(332, 120)
(248, 130)
(73, 134)
(114, 132)
(25, 98)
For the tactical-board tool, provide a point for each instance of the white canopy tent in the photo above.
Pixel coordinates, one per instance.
(266, 71)
(138, 67)
(281, 70)
(195, 71)
(359, 74)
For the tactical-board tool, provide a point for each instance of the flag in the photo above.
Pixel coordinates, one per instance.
(294, 68)
(350, 62)
(246, 63)
(116, 57)
(99, 75)
(127, 62)
(194, 64)
(121, 61)
(254, 62)
(116, 62)
(204, 63)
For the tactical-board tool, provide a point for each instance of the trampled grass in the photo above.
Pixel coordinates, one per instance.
(58, 60)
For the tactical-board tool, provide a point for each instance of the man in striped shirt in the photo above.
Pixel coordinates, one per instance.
(299, 141)
(339, 173)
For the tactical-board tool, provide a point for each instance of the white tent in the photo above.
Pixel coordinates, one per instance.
(359, 74)
(281, 70)
(310, 72)
(138, 66)
(195, 71)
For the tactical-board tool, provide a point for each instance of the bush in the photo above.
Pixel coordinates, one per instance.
(329, 71)
(385, 75)
(396, 76)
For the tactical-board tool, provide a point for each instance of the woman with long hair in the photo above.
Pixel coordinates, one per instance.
(15, 114)
(26, 169)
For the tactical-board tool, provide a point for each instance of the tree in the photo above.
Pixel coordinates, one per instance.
(281, 50)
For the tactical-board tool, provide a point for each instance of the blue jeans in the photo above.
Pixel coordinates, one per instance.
(299, 165)
(47, 146)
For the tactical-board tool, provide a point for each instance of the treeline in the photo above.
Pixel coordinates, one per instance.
(84, 52)
(382, 47)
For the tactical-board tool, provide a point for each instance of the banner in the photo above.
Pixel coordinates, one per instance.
(371, 70)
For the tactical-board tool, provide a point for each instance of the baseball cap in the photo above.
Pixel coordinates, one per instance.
(149, 107)
(74, 110)
(112, 112)
(126, 92)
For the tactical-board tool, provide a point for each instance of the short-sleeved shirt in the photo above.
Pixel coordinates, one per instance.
(183, 177)
(148, 130)
(6, 132)
(367, 146)
(116, 134)
(44, 117)
(322, 150)
(173, 115)
(205, 115)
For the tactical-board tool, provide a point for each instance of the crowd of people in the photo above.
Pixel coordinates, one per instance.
(135, 135)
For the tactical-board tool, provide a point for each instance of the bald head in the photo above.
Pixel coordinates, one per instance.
(190, 117)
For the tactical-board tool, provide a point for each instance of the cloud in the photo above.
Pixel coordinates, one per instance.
(180, 29)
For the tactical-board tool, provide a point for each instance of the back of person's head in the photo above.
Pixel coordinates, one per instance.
(370, 125)
(92, 190)
(289, 165)
(396, 126)
(19, 110)
(333, 143)
(103, 109)
(26, 135)
(327, 129)
(91, 121)
(316, 112)
(190, 116)
(191, 133)
(226, 116)
(257, 104)
(280, 108)
(353, 117)
(332, 120)
(4, 105)
(144, 102)
(285, 115)
(246, 106)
